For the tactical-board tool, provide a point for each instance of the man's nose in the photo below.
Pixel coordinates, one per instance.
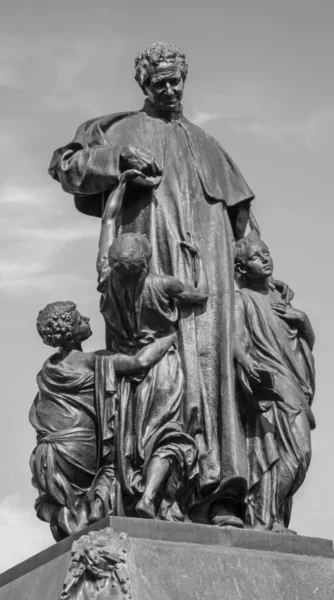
(169, 89)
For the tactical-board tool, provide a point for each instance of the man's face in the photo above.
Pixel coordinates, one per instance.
(258, 263)
(165, 88)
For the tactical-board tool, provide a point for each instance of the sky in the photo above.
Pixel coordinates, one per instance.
(261, 82)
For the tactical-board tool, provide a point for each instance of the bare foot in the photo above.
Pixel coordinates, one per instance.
(279, 528)
(145, 508)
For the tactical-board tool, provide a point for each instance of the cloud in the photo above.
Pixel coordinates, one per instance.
(201, 117)
(37, 230)
(22, 534)
(306, 133)
(57, 72)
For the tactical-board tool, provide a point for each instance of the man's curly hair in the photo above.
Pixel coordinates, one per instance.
(154, 55)
(55, 323)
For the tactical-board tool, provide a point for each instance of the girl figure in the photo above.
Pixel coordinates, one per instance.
(155, 456)
(273, 349)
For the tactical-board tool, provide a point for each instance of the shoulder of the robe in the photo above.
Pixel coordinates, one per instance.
(99, 124)
(200, 133)
(88, 134)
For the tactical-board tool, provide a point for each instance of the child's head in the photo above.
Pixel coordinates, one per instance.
(129, 254)
(252, 258)
(61, 324)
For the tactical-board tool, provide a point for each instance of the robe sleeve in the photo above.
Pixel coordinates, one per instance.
(89, 164)
(85, 171)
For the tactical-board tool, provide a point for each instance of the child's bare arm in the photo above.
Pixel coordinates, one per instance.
(145, 358)
(186, 292)
(112, 208)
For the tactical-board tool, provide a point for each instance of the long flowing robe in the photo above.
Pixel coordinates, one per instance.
(74, 416)
(278, 437)
(191, 201)
(150, 419)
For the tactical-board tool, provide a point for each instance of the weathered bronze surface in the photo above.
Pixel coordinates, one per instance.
(156, 426)
(273, 348)
(75, 417)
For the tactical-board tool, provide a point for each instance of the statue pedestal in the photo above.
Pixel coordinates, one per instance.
(175, 561)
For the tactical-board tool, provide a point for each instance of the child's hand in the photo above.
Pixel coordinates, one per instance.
(288, 313)
(130, 175)
(249, 366)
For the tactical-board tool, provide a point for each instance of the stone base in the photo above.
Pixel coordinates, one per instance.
(175, 561)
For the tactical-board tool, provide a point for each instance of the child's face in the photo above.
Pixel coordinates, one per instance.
(258, 263)
(82, 330)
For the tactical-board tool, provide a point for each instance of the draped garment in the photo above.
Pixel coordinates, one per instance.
(72, 464)
(278, 438)
(150, 419)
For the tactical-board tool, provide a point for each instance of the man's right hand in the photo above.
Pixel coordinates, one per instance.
(132, 158)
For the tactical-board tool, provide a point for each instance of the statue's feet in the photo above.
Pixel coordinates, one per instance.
(170, 512)
(227, 521)
(279, 528)
(145, 508)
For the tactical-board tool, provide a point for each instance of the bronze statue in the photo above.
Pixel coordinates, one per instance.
(75, 416)
(192, 193)
(273, 349)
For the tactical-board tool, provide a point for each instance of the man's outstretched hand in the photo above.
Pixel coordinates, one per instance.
(139, 160)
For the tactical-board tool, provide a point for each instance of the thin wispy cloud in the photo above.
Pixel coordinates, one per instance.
(36, 231)
(201, 117)
(58, 72)
(306, 133)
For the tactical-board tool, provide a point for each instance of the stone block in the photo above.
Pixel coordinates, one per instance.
(175, 561)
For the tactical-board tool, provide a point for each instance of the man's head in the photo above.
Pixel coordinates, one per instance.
(252, 258)
(161, 71)
(129, 255)
(61, 324)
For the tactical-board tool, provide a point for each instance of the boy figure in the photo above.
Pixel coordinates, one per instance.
(155, 456)
(273, 350)
(74, 415)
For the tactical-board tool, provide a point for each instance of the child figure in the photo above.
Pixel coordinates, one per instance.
(74, 416)
(155, 455)
(273, 348)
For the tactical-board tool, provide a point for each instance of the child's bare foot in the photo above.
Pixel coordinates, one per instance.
(145, 508)
(279, 528)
